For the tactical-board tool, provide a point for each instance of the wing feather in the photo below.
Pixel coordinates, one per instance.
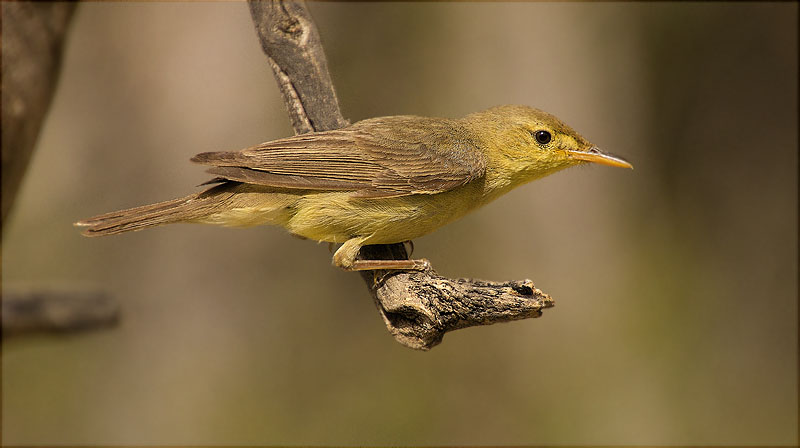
(380, 157)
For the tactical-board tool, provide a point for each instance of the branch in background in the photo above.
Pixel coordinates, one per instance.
(33, 38)
(57, 312)
(33, 34)
(417, 307)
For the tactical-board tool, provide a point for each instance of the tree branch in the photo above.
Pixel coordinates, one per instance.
(291, 42)
(417, 307)
(57, 312)
(33, 34)
(32, 45)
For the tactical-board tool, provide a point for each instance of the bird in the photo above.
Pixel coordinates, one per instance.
(381, 180)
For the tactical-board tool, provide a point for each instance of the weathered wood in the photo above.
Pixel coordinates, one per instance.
(291, 42)
(417, 307)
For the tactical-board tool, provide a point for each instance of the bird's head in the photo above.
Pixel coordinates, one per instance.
(526, 143)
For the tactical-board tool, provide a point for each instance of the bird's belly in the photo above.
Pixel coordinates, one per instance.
(338, 217)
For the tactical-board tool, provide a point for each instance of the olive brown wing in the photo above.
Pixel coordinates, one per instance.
(375, 158)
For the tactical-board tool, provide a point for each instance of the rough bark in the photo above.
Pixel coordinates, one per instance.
(417, 307)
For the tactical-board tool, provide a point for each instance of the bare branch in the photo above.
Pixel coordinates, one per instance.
(417, 307)
(57, 311)
(32, 44)
(33, 34)
(291, 42)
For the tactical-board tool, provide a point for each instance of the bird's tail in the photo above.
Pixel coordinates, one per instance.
(184, 209)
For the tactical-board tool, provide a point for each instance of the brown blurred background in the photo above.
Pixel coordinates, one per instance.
(675, 284)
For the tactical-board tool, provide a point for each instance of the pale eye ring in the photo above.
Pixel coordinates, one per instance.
(542, 137)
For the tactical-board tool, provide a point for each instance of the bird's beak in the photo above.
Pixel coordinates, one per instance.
(594, 154)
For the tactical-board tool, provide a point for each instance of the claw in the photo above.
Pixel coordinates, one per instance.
(409, 246)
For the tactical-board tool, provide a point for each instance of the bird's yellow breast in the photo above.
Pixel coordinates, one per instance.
(338, 217)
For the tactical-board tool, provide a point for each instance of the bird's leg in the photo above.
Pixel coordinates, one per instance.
(345, 258)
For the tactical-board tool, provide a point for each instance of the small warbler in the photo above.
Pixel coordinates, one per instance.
(378, 181)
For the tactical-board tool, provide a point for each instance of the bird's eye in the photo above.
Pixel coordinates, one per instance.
(542, 137)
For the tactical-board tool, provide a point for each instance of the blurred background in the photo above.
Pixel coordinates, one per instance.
(675, 284)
